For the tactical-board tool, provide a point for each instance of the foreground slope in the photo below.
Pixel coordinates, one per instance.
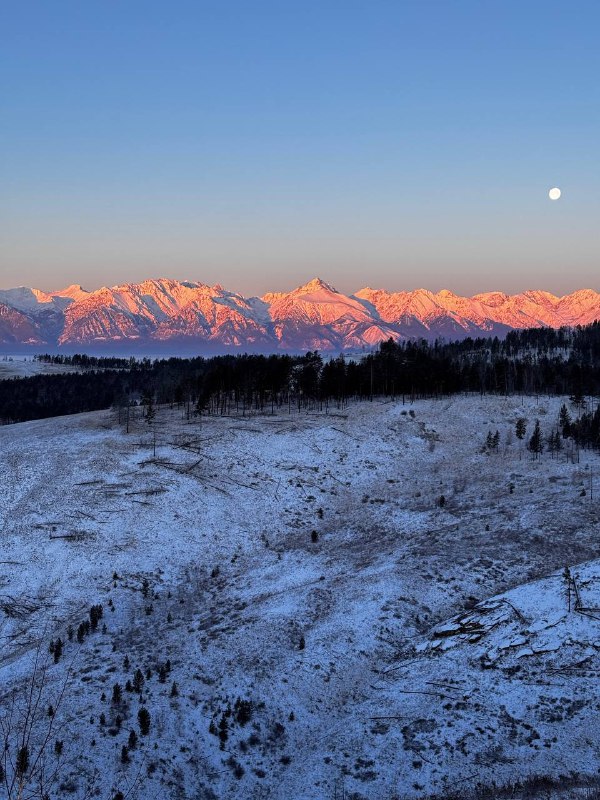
(403, 647)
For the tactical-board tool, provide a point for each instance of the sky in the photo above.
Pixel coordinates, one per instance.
(400, 144)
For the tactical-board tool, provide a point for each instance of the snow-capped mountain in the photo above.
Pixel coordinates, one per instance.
(191, 315)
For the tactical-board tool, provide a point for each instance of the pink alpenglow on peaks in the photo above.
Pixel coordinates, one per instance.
(162, 313)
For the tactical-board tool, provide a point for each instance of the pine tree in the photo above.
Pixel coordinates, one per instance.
(243, 711)
(223, 730)
(58, 648)
(536, 444)
(496, 441)
(138, 681)
(564, 420)
(150, 410)
(117, 694)
(554, 442)
(95, 616)
(144, 721)
(520, 428)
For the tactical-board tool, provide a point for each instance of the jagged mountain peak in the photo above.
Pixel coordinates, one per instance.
(539, 296)
(313, 315)
(75, 291)
(491, 298)
(583, 295)
(315, 285)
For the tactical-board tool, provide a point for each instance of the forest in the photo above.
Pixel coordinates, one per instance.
(534, 361)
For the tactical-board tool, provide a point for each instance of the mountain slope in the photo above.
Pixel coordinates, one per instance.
(16, 327)
(163, 312)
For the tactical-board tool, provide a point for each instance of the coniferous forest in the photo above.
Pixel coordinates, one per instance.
(535, 361)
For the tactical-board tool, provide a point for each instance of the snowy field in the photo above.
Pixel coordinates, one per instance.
(391, 645)
(19, 366)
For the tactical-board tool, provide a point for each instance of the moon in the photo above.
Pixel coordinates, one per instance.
(554, 193)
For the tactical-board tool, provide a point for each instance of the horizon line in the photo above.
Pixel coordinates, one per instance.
(315, 280)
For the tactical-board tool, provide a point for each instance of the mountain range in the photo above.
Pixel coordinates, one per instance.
(163, 314)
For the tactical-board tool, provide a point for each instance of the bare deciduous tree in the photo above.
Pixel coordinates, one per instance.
(31, 755)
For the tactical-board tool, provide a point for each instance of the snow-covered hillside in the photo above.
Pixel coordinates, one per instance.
(20, 366)
(388, 643)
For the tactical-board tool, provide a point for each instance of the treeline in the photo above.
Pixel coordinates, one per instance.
(538, 361)
(585, 429)
(83, 361)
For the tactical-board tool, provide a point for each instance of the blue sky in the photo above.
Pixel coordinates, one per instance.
(257, 144)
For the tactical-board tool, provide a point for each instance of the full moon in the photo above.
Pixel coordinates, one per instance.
(554, 194)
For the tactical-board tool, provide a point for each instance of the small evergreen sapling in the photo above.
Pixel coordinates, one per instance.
(96, 613)
(138, 681)
(144, 721)
(520, 428)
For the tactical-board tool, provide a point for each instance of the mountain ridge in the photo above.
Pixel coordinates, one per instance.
(161, 312)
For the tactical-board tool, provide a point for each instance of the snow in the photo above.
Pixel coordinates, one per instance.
(314, 315)
(19, 366)
(439, 647)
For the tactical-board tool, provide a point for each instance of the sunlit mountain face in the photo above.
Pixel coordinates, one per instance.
(165, 313)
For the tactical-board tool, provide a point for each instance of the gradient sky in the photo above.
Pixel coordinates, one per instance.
(258, 144)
